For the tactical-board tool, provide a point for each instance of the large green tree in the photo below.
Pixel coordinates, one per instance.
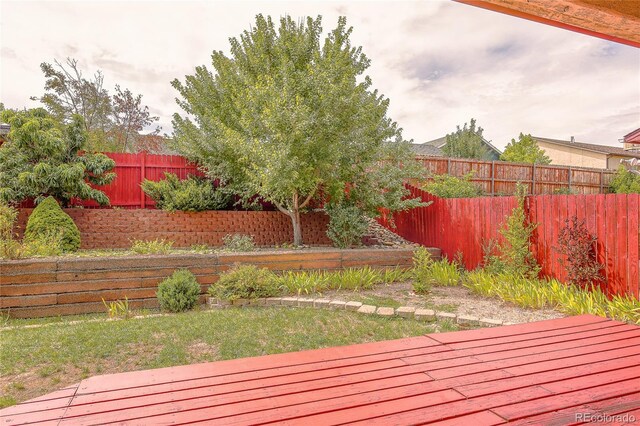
(524, 150)
(113, 123)
(291, 117)
(42, 158)
(466, 142)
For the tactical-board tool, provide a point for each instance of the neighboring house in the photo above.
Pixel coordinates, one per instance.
(631, 142)
(4, 131)
(579, 154)
(434, 148)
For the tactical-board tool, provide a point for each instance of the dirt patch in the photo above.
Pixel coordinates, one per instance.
(200, 351)
(458, 300)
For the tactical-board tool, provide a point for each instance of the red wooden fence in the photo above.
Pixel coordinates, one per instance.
(132, 169)
(465, 224)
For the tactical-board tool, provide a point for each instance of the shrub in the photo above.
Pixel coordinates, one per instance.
(46, 245)
(447, 186)
(191, 194)
(445, 273)
(245, 282)
(9, 247)
(47, 223)
(579, 246)
(428, 272)
(347, 225)
(514, 254)
(422, 261)
(238, 242)
(625, 182)
(179, 292)
(157, 246)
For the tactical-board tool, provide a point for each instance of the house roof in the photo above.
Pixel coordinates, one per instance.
(602, 149)
(633, 137)
(440, 142)
(426, 150)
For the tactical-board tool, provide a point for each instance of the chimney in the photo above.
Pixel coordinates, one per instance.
(573, 140)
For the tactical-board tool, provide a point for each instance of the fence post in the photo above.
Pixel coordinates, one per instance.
(449, 166)
(533, 180)
(569, 179)
(143, 175)
(601, 182)
(493, 178)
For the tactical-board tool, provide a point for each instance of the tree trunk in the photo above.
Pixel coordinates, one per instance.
(297, 228)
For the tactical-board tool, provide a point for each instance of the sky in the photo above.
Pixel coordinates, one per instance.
(439, 62)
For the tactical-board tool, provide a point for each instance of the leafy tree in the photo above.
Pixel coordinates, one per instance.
(466, 142)
(291, 118)
(41, 158)
(625, 182)
(447, 186)
(130, 117)
(113, 123)
(525, 150)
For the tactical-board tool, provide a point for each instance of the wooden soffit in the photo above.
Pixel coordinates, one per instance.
(614, 20)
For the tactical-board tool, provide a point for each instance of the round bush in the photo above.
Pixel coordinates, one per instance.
(246, 282)
(179, 292)
(49, 222)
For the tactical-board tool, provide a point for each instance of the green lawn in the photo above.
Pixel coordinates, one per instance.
(35, 361)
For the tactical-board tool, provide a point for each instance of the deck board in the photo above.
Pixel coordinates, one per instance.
(537, 373)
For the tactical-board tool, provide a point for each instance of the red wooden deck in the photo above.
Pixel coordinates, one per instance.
(540, 373)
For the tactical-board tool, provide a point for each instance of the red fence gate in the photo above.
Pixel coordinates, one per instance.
(466, 224)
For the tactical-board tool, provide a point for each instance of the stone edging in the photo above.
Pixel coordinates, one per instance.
(408, 312)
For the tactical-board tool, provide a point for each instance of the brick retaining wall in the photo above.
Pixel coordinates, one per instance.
(67, 286)
(116, 228)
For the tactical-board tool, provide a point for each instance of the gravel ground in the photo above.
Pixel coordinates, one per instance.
(458, 300)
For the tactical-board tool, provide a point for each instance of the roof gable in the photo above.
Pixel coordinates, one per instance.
(602, 149)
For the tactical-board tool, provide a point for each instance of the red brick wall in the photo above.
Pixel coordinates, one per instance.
(68, 285)
(115, 228)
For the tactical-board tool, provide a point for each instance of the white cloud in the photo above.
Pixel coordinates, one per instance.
(439, 62)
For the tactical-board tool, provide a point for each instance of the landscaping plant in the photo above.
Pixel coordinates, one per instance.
(49, 226)
(428, 272)
(10, 248)
(347, 225)
(356, 279)
(245, 282)
(43, 157)
(579, 246)
(192, 194)
(118, 308)
(157, 246)
(238, 243)
(290, 115)
(447, 186)
(514, 253)
(179, 292)
(543, 293)
(422, 261)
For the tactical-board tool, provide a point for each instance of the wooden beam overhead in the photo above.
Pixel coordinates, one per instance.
(613, 20)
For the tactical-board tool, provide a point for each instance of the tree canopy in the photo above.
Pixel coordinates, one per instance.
(41, 158)
(113, 123)
(291, 117)
(466, 142)
(524, 150)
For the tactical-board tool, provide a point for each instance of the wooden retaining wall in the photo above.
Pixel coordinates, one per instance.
(67, 286)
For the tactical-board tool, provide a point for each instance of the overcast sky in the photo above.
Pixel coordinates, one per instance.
(439, 62)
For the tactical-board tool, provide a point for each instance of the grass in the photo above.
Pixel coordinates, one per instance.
(39, 360)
